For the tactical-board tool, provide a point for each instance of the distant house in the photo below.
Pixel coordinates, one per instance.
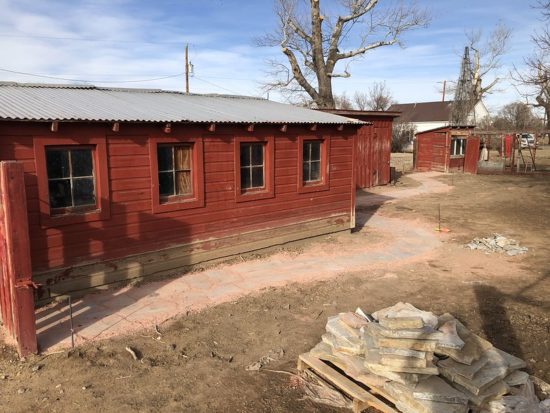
(431, 115)
(127, 183)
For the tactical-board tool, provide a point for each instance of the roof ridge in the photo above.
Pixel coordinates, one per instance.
(85, 86)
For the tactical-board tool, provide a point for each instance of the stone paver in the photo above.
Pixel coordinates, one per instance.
(130, 309)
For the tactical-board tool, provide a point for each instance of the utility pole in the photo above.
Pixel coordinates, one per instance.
(187, 68)
(444, 89)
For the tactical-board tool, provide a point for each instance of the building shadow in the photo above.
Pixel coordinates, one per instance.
(495, 320)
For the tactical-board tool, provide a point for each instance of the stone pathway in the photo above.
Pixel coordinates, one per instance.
(130, 309)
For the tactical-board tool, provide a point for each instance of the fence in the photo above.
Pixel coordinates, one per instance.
(16, 287)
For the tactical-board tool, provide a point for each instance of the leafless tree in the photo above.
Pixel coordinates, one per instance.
(487, 57)
(319, 43)
(378, 97)
(536, 76)
(402, 135)
(516, 116)
(343, 102)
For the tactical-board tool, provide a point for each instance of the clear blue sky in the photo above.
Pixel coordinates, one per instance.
(114, 40)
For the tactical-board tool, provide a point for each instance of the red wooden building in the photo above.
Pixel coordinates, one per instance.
(447, 149)
(372, 146)
(126, 183)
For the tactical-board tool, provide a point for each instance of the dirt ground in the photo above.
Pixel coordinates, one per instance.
(198, 364)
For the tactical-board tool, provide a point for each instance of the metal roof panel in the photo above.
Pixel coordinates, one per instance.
(43, 102)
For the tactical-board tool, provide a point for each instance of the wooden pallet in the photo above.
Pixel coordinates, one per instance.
(363, 396)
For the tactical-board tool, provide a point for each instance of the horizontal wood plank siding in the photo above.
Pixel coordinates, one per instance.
(133, 228)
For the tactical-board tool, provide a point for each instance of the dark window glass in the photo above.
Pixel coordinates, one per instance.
(252, 165)
(81, 162)
(166, 183)
(311, 161)
(164, 156)
(57, 163)
(60, 193)
(83, 191)
(71, 180)
(175, 170)
(257, 176)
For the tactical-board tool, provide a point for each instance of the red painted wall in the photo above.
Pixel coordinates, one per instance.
(133, 227)
(373, 151)
(431, 151)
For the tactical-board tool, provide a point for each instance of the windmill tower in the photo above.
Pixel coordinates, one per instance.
(464, 100)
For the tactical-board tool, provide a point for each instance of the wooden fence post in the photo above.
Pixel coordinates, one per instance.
(16, 286)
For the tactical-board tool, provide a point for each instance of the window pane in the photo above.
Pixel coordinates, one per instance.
(306, 149)
(182, 158)
(315, 151)
(60, 193)
(164, 158)
(166, 183)
(81, 160)
(83, 191)
(57, 163)
(245, 154)
(183, 183)
(305, 171)
(257, 177)
(315, 171)
(245, 178)
(258, 154)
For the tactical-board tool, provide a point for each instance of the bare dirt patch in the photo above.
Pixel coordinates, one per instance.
(198, 363)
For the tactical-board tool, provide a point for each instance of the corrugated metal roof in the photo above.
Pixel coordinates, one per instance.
(44, 102)
(423, 111)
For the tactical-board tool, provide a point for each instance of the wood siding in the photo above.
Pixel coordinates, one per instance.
(431, 151)
(133, 227)
(373, 151)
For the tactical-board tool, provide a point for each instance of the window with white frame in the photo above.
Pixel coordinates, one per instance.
(458, 146)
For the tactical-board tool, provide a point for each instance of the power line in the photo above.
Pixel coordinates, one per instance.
(87, 39)
(91, 81)
(215, 85)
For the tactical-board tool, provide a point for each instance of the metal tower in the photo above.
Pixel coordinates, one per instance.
(464, 101)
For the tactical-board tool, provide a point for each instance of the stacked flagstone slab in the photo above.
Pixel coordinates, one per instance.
(428, 364)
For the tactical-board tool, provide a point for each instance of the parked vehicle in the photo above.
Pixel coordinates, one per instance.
(527, 140)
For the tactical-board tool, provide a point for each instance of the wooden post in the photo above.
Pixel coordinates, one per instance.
(16, 258)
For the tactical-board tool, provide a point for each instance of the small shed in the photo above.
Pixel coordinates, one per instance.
(128, 183)
(372, 146)
(447, 149)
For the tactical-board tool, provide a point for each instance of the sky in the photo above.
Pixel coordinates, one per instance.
(138, 43)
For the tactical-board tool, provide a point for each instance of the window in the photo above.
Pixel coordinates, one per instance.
(311, 161)
(177, 173)
(313, 158)
(175, 170)
(71, 181)
(458, 146)
(252, 166)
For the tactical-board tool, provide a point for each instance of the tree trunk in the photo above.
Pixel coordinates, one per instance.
(325, 99)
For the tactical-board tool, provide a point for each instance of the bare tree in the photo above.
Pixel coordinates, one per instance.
(536, 76)
(487, 57)
(316, 40)
(516, 116)
(402, 135)
(378, 97)
(343, 102)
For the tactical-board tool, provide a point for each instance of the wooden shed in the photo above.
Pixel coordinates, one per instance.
(372, 146)
(127, 183)
(447, 149)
